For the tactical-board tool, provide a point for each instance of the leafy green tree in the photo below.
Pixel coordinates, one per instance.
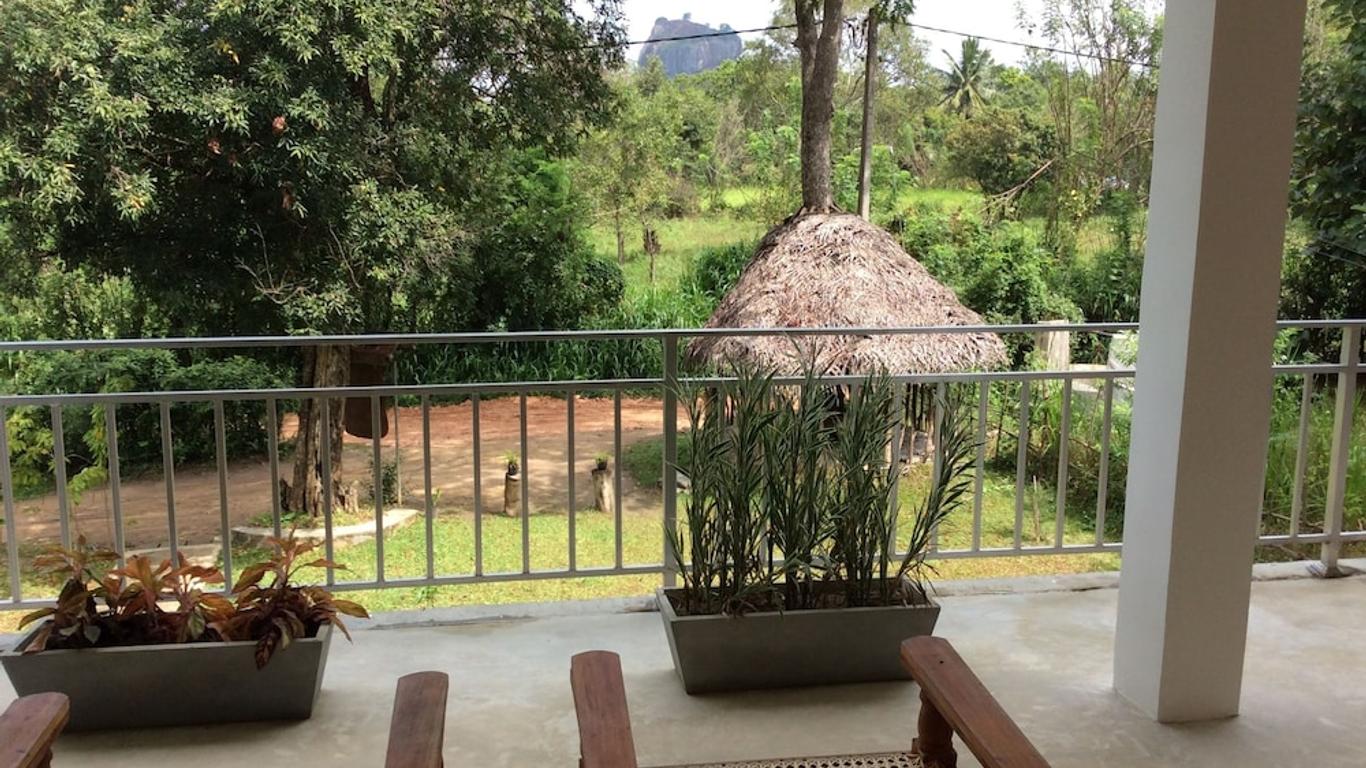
(1002, 151)
(1327, 277)
(967, 87)
(1102, 101)
(265, 166)
(626, 165)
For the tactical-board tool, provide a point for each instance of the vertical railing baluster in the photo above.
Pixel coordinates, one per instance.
(111, 441)
(1301, 454)
(979, 480)
(670, 346)
(478, 487)
(324, 409)
(616, 472)
(377, 483)
(220, 443)
(1064, 444)
(1103, 481)
(273, 457)
(1021, 462)
(569, 453)
(11, 525)
(398, 448)
(428, 504)
(59, 474)
(941, 394)
(894, 456)
(168, 473)
(525, 486)
(1343, 417)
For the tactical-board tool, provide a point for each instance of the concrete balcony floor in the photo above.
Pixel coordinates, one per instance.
(1046, 655)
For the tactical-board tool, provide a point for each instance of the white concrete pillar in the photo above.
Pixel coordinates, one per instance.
(1225, 130)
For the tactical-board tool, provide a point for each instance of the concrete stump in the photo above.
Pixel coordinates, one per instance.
(604, 490)
(512, 494)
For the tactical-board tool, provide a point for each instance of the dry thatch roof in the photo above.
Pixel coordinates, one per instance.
(838, 270)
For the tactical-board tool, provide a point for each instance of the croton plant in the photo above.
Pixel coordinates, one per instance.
(143, 604)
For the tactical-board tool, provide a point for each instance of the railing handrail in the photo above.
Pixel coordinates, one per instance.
(496, 337)
(1113, 379)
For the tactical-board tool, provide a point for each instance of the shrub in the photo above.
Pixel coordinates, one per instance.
(888, 180)
(140, 423)
(716, 270)
(1000, 149)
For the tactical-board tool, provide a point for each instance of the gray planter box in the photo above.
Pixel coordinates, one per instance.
(791, 648)
(158, 685)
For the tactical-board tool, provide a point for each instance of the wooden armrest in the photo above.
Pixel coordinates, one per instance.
(28, 728)
(417, 730)
(953, 700)
(600, 705)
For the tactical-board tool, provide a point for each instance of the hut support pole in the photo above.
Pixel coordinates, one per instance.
(1223, 141)
(865, 159)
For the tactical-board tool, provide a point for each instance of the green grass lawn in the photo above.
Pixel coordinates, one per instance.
(642, 544)
(943, 199)
(680, 241)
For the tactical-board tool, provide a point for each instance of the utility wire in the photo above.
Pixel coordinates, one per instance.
(1035, 46)
(698, 36)
(913, 25)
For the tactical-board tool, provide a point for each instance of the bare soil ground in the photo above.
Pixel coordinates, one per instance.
(198, 513)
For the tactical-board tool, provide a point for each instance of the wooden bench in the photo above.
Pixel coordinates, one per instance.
(418, 726)
(29, 727)
(952, 699)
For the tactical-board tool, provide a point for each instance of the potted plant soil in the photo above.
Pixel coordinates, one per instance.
(789, 573)
(129, 644)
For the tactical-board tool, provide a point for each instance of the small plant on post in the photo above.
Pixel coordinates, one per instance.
(512, 485)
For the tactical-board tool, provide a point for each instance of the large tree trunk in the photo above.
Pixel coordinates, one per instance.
(818, 44)
(322, 367)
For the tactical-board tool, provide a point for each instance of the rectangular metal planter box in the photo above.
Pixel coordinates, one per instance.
(161, 685)
(791, 648)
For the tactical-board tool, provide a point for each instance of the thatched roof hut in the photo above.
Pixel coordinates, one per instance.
(838, 270)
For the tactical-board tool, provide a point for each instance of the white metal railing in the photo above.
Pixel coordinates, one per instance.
(1031, 384)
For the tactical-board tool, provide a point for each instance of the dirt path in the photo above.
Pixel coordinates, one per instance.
(545, 477)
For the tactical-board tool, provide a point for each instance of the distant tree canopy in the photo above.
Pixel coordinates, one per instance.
(271, 166)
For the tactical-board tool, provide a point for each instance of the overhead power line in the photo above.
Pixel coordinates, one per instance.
(1036, 46)
(913, 25)
(700, 35)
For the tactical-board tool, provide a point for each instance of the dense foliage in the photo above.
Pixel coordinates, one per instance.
(1326, 277)
(229, 167)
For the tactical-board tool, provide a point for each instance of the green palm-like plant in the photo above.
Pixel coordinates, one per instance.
(967, 77)
(793, 498)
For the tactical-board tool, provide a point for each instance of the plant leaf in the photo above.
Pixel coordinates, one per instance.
(36, 615)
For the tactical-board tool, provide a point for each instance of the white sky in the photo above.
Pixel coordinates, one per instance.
(994, 18)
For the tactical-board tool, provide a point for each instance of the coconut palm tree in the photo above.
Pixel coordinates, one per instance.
(966, 87)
